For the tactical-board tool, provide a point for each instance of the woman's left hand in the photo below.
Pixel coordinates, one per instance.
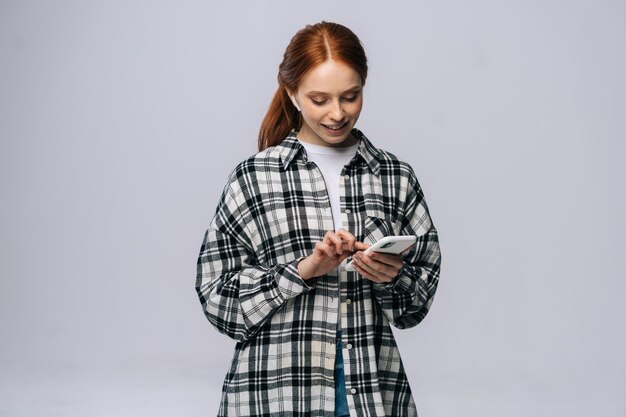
(377, 266)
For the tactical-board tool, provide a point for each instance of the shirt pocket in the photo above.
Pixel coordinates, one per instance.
(375, 228)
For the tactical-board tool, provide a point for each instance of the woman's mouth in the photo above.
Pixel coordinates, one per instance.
(336, 129)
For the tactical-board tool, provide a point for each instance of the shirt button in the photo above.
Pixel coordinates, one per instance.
(348, 211)
(353, 390)
(348, 301)
(349, 346)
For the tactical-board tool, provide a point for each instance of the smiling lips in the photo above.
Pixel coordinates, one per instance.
(335, 128)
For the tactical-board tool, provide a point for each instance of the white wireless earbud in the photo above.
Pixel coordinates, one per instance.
(293, 100)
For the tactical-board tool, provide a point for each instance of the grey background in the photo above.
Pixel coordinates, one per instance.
(120, 121)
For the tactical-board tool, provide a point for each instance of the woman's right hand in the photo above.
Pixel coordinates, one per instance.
(328, 254)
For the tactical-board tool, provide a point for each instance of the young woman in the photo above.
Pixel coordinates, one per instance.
(312, 338)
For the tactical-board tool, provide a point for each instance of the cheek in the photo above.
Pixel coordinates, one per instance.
(311, 114)
(355, 108)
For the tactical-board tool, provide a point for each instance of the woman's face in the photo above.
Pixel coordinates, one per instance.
(330, 99)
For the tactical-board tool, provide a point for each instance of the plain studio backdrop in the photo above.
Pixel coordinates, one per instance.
(121, 120)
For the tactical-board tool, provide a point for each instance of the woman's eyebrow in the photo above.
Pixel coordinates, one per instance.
(322, 93)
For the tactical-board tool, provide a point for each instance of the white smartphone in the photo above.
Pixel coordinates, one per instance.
(388, 244)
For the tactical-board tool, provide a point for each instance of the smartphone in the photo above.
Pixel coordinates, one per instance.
(388, 244)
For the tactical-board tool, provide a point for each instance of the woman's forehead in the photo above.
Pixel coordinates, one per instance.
(330, 77)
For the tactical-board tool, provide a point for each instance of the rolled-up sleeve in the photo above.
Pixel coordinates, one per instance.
(239, 295)
(406, 300)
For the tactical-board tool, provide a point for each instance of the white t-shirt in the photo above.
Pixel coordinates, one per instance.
(331, 160)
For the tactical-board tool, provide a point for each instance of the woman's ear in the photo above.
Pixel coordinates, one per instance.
(293, 99)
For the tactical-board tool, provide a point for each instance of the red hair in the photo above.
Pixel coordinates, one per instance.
(309, 47)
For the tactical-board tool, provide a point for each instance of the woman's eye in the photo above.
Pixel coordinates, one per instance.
(322, 101)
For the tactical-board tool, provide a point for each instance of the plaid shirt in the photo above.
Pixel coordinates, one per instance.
(273, 210)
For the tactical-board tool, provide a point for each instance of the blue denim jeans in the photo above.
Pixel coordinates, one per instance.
(341, 400)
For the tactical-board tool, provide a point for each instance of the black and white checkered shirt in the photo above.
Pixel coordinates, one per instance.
(272, 212)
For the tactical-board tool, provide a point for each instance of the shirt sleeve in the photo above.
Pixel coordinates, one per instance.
(406, 300)
(238, 294)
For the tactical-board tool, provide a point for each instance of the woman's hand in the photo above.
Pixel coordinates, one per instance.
(328, 254)
(377, 266)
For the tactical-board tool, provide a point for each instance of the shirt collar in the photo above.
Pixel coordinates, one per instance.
(290, 148)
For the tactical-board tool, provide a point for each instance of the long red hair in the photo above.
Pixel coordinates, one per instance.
(309, 47)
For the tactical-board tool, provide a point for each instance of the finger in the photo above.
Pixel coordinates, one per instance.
(367, 273)
(347, 238)
(379, 269)
(361, 246)
(325, 249)
(332, 239)
(361, 269)
(394, 261)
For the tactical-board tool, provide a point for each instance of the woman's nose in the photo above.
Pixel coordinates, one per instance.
(336, 112)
